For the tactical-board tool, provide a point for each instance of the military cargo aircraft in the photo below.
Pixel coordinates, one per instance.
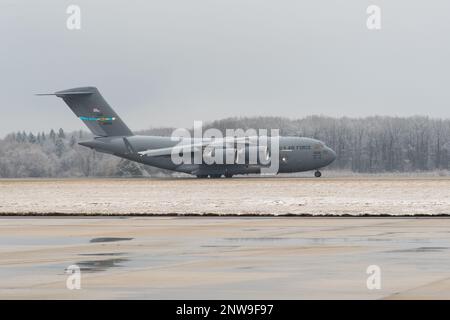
(112, 135)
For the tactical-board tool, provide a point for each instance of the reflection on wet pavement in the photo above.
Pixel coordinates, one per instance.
(422, 249)
(103, 254)
(109, 239)
(100, 265)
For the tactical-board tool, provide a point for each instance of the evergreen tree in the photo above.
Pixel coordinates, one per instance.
(60, 147)
(31, 138)
(20, 137)
(73, 140)
(52, 136)
(61, 134)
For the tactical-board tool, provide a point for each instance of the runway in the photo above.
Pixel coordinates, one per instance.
(224, 257)
(370, 195)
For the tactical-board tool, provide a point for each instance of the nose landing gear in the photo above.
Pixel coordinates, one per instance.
(317, 174)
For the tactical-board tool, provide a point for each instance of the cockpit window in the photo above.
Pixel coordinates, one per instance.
(318, 146)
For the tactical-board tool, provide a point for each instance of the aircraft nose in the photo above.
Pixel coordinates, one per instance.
(331, 155)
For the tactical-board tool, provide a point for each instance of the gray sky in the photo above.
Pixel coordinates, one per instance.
(167, 63)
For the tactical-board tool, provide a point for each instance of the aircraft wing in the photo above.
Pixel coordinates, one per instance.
(198, 147)
(170, 150)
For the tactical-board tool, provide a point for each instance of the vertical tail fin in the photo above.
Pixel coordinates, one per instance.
(88, 104)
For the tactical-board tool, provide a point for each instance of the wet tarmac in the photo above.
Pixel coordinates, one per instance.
(224, 258)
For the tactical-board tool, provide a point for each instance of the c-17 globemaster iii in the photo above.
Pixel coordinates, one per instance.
(292, 154)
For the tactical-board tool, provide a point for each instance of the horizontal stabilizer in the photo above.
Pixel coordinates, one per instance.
(65, 94)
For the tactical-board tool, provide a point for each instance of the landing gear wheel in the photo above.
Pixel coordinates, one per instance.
(215, 176)
(317, 174)
(228, 175)
(202, 176)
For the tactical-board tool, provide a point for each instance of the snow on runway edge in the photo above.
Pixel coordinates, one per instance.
(247, 196)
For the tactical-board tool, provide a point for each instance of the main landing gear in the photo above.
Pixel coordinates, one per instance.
(213, 176)
(317, 174)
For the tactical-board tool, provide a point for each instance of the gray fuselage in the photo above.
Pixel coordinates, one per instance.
(296, 154)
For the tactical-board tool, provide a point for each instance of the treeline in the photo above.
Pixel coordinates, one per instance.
(371, 144)
(57, 154)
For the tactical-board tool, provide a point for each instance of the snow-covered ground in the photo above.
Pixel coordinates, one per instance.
(376, 195)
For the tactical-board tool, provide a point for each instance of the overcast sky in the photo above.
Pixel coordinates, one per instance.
(170, 62)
